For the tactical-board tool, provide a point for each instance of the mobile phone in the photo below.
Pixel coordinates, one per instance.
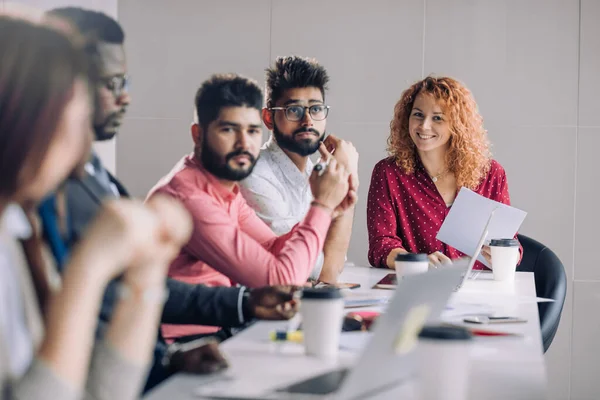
(338, 285)
(389, 281)
(494, 320)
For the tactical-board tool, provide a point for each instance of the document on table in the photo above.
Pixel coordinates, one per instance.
(362, 299)
(466, 221)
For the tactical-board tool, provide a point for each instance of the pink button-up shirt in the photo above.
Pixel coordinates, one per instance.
(230, 244)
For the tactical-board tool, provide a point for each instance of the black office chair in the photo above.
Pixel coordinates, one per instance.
(550, 282)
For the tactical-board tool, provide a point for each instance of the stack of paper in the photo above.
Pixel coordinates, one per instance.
(466, 221)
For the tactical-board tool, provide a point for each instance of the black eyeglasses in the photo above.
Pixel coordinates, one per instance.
(117, 84)
(318, 112)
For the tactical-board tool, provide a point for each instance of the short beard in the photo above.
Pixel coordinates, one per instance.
(212, 162)
(303, 148)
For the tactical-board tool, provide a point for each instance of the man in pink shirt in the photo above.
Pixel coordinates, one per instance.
(230, 244)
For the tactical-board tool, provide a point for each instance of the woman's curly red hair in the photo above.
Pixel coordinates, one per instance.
(469, 153)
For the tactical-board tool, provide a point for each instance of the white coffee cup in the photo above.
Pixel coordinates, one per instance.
(322, 312)
(410, 264)
(505, 256)
(443, 355)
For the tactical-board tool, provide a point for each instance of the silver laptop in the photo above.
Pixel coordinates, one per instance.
(473, 259)
(388, 358)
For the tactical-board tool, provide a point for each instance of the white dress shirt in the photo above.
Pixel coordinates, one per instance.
(13, 324)
(279, 192)
(95, 168)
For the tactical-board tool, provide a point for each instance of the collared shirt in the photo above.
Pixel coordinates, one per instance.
(407, 211)
(230, 244)
(15, 332)
(95, 168)
(279, 192)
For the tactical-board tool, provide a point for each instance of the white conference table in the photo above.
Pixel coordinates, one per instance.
(500, 368)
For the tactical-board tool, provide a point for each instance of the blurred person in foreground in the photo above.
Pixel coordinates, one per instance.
(67, 214)
(46, 84)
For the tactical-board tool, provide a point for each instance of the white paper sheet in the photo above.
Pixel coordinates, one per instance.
(466, 220)
(361, 299)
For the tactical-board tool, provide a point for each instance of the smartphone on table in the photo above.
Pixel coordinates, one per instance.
(338, 285)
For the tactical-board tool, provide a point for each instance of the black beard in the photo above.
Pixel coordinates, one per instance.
(304, 147)
(212, 162)
(105, 131)
(102, 134)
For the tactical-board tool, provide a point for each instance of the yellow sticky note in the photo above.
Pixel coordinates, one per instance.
(409, 334)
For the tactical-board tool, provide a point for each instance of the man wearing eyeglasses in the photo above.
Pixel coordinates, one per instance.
(278, 189)
(112, 100)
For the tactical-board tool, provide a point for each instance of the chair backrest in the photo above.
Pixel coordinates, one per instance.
(550, 282)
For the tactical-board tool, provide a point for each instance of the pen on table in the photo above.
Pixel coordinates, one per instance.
(285, 336)
(294, 323)
(485, 332)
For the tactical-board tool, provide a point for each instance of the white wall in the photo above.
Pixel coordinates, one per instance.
(105, 150)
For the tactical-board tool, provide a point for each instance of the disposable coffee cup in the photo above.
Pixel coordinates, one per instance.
(443, 363)
(505, 256)
(322, 312)
(411, 264)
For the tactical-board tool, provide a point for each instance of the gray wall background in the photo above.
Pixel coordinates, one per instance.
(532, 65)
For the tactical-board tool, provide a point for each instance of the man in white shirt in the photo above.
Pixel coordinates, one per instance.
(278, 188)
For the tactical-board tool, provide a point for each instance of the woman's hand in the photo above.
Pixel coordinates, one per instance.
(438, 259)
(390, 261)
(150, 265)
(141, 239)
(486, 252)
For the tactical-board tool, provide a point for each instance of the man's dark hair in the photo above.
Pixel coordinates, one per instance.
(92, 24)
(293, 72)
(225, 90)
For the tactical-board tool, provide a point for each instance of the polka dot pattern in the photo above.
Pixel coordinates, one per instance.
(407, 211)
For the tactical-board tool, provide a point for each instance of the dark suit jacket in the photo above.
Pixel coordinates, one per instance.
(84, 197)
(187, 304)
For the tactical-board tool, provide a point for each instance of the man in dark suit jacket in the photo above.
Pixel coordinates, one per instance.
(186, 304)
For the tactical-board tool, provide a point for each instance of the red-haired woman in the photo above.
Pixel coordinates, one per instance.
(437, 145)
